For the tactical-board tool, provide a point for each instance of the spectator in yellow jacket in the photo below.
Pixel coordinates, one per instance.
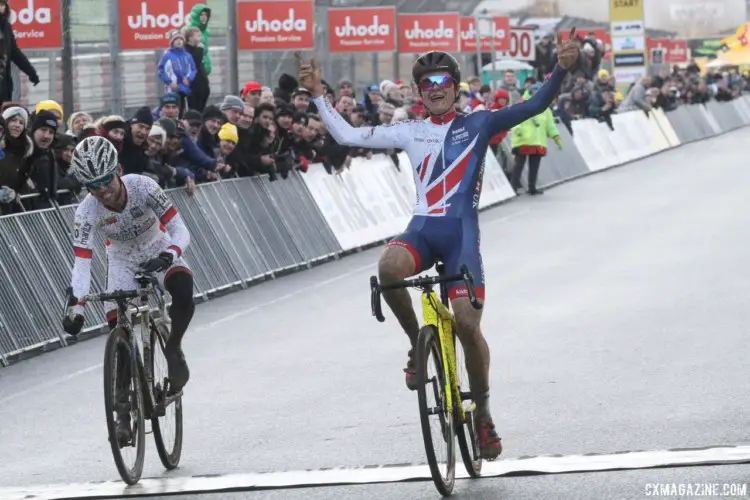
(529, 140)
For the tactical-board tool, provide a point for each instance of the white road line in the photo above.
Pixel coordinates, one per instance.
(722, 455)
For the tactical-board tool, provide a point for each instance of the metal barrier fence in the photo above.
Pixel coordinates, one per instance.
(242, 231)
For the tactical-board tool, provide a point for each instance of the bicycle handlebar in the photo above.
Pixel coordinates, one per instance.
(424, 283)
(146, 283)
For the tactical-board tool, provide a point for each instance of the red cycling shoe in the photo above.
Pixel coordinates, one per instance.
(490, 445)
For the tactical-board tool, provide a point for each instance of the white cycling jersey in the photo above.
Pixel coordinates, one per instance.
(148, 225)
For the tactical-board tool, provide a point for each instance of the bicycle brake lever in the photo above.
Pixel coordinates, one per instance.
(375, 303)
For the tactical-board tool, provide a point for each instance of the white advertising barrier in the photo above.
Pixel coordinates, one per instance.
(635, 136)
(591, 140)
(374, 201)
(657, 116)
(362, 205)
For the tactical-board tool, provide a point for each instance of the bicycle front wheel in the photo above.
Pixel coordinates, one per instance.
(123, 400)
(438, 429)
(167, 419)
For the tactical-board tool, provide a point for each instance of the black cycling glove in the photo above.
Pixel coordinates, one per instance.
(73, 326)
(161, 263)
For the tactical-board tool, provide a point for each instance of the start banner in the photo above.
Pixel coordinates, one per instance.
(145, 25)
(431, 31)
(276, 25)
(362, 29)
(37, 24)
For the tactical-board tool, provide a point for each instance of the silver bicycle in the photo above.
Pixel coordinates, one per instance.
(130, 361)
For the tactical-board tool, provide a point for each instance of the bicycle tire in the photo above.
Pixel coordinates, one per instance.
(118, 344)
(169, 459)
(428, 344)
(468, 441)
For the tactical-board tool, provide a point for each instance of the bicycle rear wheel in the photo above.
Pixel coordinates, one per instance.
(468, 441)
(439, 446)
(119, 361)
(167, 420)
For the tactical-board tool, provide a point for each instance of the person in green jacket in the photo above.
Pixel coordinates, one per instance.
(529, 140)
(199, 17)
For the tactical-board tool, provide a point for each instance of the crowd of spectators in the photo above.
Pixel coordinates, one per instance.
(590, 92)
(273, 131)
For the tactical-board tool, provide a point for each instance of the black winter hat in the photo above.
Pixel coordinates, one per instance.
(299, 117)
(193, 116)
(285, 110)
(143, 116)
(288, 83)
(44, 119)
(62, 141)
(213, 113)
(169, 98)
(169, 126)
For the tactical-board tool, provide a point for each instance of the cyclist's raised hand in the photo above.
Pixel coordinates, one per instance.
(310, 76)
(568, 51)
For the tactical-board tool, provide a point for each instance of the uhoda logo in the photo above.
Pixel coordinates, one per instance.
(375, 29)
(147, 20)
(471, 34)
(30, 15)
(261, 25)
(417, 33)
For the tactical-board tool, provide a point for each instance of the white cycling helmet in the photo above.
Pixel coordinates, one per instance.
(93, 159)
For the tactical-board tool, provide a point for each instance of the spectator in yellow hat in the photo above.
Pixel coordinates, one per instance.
(228, 138)
(52, 107)
(229, 154)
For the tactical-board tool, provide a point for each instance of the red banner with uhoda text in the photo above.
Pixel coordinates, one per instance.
(265, 25)
(37, 24)
(146, 24)
(366, 29)
(431, 31)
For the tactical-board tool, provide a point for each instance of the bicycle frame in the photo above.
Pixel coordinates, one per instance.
(435, 313)
(140, 345)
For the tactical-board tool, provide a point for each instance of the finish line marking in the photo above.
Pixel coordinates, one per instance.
(549, 464)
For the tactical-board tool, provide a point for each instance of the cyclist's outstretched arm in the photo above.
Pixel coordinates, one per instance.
(507, 118)
(164, 209)
(83, 234)
(380, 137)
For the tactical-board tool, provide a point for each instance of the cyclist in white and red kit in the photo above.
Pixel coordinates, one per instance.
(143, 231)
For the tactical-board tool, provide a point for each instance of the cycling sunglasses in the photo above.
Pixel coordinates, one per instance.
(439, 81)
(98, 184)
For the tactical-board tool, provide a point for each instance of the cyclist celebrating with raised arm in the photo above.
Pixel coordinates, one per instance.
(143, 231)
(447, 153)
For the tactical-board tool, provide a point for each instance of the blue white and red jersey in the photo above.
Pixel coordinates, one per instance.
(447, 155)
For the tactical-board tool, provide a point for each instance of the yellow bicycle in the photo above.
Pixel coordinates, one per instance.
(453, 402)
